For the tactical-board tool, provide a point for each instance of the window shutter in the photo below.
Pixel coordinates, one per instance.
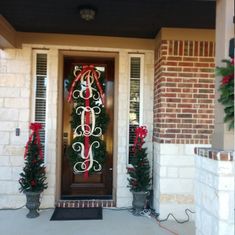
(40, 94)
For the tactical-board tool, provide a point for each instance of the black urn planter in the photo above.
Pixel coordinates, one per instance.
(33, 203)
(139, 201)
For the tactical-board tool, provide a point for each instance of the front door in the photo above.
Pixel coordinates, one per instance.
(96, 184)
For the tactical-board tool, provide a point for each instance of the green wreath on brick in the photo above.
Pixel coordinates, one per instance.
(226, 89)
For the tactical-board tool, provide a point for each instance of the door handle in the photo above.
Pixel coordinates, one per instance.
(110, 168)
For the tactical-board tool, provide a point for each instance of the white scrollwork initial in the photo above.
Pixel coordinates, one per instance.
(87, 130)
(79, 147)
(88, 75)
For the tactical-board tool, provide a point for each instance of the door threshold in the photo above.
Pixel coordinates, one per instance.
(87, 197)
(88, 203)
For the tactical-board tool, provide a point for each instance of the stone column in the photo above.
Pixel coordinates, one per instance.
(214, 172)
(222, 138)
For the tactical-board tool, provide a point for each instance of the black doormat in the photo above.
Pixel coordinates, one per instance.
(77, 214)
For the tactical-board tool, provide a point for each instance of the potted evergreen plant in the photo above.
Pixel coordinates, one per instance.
(139, 174)
(32, 179)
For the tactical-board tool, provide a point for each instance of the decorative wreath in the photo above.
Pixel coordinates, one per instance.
(226, 89)
(99, 153)
(98, 149)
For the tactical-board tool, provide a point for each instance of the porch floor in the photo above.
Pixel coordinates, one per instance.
(114, 222)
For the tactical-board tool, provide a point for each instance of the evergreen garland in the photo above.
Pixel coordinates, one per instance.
(227, 91)
(102, 119)
(99, 154)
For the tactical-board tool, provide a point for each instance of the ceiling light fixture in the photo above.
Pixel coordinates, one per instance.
(87, 13)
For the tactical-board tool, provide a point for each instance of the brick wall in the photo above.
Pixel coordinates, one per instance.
(184, 92)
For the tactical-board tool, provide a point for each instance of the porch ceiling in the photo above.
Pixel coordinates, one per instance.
(127, 18)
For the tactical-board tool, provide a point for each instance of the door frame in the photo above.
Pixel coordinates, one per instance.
(92, 54)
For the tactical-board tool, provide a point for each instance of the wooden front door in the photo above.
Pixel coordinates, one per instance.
(97, 185)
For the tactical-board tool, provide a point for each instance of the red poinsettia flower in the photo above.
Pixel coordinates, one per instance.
(130, 169)
(226, 89)
(226, 79)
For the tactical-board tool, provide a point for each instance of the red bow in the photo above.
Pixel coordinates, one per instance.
(35, 127)
(140, 133)
(85, 69)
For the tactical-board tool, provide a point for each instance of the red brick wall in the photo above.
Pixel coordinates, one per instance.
(184, 92)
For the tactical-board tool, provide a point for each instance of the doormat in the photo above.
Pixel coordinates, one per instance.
(77, 214)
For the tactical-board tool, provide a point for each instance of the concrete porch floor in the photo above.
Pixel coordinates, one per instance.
(14, 222)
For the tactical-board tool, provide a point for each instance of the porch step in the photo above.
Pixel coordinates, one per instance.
(85, 203)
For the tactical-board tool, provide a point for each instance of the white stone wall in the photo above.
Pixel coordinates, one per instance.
(173, 180)
(214, 197)
(52, 121)
(16, 97)
(15, 88)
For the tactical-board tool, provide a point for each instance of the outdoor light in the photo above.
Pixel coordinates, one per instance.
(87, 13)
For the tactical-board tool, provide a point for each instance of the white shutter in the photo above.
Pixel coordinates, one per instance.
(40, 93)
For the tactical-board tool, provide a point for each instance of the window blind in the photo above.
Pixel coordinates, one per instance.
(134, 100)
(40, 94)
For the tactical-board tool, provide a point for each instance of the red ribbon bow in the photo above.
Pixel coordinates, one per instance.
(94, 73)
(140, 133)
(35, 127)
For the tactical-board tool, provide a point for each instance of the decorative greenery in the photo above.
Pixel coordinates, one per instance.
(227, 91)
(139, 173)
(33, 176)
(99, 154)
(101, 121)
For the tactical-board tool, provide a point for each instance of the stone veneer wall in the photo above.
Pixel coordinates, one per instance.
(214, 192)
(15, 68)
(16, 102)
(123, 194)
(16, 86)
(183, 118)
(173, 181)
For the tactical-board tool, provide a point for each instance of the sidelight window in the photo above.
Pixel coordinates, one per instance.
(40, 89)
(135, 98)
